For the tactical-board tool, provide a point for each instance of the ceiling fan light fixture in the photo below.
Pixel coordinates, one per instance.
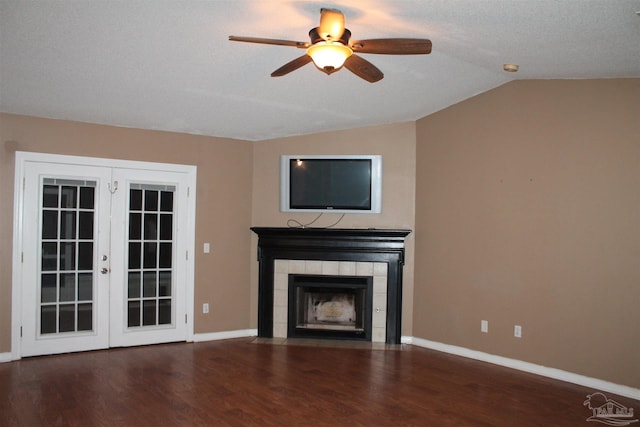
(329, 48)
(329, 56)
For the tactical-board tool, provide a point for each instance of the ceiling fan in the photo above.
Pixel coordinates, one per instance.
(330, 48)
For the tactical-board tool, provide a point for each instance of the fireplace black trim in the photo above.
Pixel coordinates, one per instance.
(334, 244)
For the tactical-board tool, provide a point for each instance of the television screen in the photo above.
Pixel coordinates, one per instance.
(331, 183)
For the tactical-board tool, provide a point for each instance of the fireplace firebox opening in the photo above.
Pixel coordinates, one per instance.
(324, 306)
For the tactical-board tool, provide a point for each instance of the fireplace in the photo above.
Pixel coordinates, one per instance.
(357, 256)
(326, 306)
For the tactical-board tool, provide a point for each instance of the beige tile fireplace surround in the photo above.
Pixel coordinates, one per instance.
(377, 270)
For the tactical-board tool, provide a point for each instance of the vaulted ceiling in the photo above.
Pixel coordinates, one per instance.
(169, 65)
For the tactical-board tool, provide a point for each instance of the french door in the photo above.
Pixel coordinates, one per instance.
(105, 254)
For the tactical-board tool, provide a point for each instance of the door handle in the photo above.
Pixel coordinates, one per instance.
(104, 270)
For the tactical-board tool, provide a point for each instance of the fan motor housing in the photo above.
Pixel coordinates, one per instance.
(314, 36)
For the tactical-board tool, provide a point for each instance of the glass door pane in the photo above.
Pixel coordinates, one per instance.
(150, 290)
(67, 242)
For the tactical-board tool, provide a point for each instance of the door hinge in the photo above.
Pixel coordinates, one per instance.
(24, 182)
(21, 257)
(185, 318)
(186, 255)
(20, 331)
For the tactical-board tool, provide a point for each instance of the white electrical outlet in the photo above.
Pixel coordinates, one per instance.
(207, 248)
(517, 331)
(484, 326)
(205, 308)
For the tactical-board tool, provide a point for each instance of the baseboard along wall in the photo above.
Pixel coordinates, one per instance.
(558, 374)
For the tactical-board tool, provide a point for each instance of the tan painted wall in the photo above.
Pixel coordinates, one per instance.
(396, 143)
(528, 212)
(526, 200)
(223, 210)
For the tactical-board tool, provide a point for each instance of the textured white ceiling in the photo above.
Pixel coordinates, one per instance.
(168, 65)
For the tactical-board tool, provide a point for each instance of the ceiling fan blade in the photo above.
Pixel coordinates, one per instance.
(278, 42)
(331, 24)
(363, 69)
(392, 46)
(291, 66)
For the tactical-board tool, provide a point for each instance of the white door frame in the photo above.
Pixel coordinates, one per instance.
(22, 158)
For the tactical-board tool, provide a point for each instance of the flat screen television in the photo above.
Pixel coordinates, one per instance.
(340, 184)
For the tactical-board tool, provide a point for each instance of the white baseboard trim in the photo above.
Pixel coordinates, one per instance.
(558, 374)
(5, 357)
(405, 339)
(214, 336)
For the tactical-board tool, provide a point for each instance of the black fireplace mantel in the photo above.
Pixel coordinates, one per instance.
(331, 244)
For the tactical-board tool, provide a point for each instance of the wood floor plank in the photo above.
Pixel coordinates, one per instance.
(241, 383)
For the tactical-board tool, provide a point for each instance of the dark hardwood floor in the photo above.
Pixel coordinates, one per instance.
(242, 383)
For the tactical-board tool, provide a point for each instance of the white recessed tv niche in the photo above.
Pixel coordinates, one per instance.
(340, 184)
